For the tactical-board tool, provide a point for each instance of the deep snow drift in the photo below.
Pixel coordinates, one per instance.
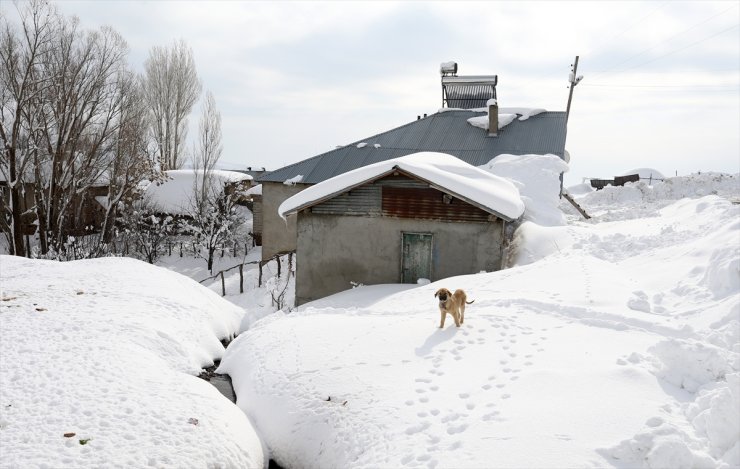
(97, 368)
(610, 343)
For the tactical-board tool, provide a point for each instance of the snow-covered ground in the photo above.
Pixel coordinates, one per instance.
(613, 342)
(98, 368)
(610, 343)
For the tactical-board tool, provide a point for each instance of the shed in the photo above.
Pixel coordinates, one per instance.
(425, 215)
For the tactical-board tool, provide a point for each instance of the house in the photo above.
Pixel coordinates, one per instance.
(86, 210)
(421, 216)
(254, 196)
(175, 196)
(521, 131)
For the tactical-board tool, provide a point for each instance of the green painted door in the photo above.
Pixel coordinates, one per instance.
(417, 257)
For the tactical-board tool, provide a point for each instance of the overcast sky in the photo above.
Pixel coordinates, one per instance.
(295, 79)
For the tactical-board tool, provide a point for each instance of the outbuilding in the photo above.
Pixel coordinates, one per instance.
(426, 215)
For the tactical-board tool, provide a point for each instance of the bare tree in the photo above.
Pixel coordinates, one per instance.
(206, 151)
(83, 110)
(213, 224)
(172, 87)
(21, 82)
(130, 163)
(69, 114)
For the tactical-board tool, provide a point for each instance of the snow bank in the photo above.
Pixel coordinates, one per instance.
(97, 365)
(637, 199)
(650, 174)
(457, 177)
(537, 177)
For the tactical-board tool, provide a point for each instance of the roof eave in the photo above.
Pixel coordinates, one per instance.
(408, 174)
(336, 193)
(455, 194)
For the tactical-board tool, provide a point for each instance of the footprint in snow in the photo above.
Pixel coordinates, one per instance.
(453, 429)
(420, 427)
(451, 417)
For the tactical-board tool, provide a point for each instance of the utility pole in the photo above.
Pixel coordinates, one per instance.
(573, 79)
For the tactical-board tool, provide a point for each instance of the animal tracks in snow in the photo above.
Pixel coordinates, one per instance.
(481, 401)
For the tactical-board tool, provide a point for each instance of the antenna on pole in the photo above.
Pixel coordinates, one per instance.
(573, 80)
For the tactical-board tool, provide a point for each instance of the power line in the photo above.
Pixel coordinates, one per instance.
(735, 87)
(593, 51)
(677, 50)
(601, 72)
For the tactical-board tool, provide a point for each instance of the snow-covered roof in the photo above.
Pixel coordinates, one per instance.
(255, 190)
(506, 115)
(494, 194)
(175, 195)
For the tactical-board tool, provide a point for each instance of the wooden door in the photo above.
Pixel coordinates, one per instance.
(416, 257)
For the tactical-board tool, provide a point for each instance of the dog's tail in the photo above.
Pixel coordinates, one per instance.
(470, 302)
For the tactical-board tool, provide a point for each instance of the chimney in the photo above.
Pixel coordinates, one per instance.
(492, 118)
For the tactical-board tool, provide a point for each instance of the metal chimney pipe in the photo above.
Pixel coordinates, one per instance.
(492, 118)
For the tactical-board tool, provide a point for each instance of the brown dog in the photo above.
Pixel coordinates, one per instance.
(452, 304)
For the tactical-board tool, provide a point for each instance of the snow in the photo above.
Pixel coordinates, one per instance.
(254, 190)
(645, 173)
(496, 194)
(107, 350)
(609, 343)
(506, 116)
(175, 195)
(612, 342)
(294, 180)
(362, 145)
(102, 200)
(537, 177)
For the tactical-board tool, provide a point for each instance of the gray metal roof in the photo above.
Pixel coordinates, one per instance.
(445, 132)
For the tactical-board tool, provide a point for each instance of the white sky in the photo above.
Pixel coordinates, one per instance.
(295, 79)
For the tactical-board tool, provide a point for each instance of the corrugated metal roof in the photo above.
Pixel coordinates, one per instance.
(446, 132)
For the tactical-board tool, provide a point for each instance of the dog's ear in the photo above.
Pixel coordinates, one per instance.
(436, 294)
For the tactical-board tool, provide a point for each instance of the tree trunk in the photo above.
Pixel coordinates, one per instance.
(17, 248)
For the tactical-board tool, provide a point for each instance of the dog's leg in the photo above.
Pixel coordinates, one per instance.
(456, 316)
(462, 313)
(442, 319)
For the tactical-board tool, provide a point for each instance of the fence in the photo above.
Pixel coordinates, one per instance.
(261, 263)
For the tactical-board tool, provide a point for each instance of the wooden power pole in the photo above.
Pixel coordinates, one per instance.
(573, 79)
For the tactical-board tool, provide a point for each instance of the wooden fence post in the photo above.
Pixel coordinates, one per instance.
(180, 248)
(241, 278)
(277, 258)
(259, 281)
(223, 284)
